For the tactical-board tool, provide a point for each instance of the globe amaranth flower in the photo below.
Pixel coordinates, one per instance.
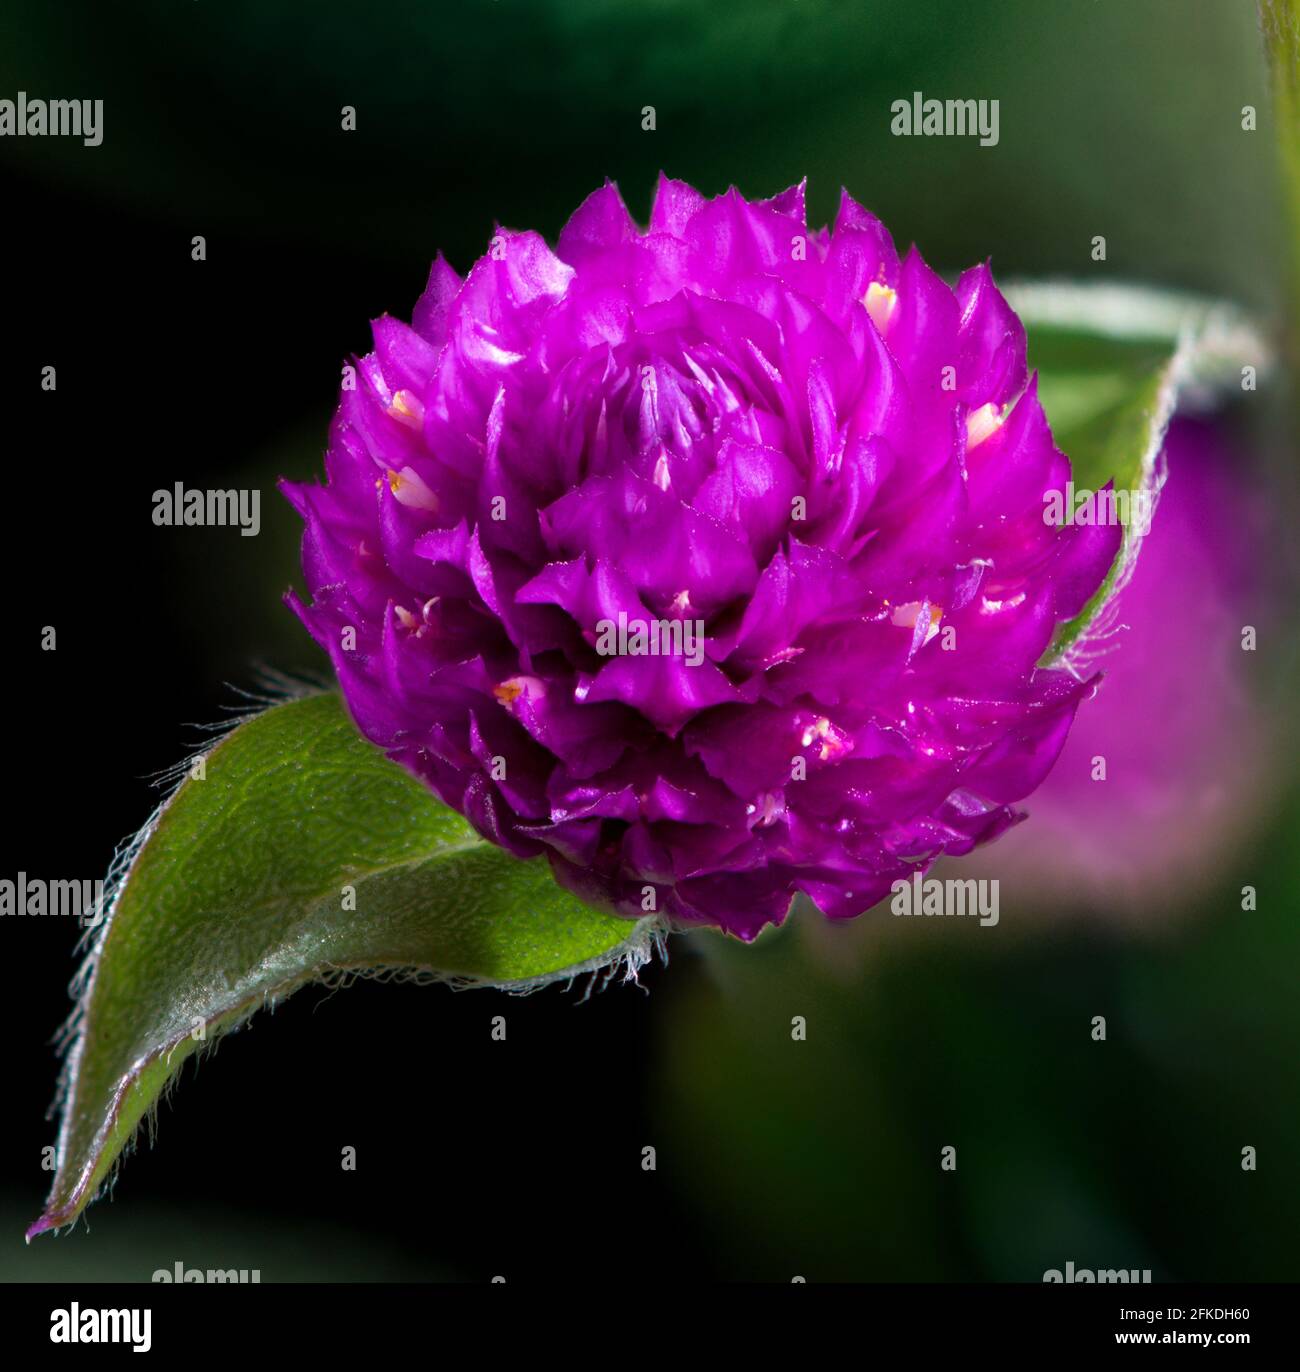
(708, 560)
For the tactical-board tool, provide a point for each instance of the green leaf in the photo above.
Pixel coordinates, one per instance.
(233, 897)
(1113, 362)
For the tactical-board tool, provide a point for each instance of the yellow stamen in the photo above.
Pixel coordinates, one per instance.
(407, 408)
(905, 617)
(507, 692)
(881, 302)
(830, 740)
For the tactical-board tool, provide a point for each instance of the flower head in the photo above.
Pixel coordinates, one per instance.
(708, 560)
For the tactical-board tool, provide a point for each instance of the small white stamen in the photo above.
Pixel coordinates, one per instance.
(411, 490)
(981, 423)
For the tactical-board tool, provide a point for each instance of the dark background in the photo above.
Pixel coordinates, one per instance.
(523, 1159)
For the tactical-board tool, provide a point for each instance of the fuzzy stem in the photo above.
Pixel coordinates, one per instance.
(1280, 22)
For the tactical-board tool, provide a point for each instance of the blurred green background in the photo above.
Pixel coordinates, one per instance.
(1119, 118)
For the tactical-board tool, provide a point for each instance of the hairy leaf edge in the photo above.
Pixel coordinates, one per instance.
(118, 1135)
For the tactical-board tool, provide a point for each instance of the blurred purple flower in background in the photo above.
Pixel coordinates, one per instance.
(1176, 724)
(708, 560)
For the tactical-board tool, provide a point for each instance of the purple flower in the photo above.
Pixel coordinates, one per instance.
(1163, 778)
(708, 560)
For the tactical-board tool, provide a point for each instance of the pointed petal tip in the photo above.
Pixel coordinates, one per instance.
(41, 1226)
(295, 493)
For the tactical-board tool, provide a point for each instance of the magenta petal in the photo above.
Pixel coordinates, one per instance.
(429, 318)
(676, 204)
(1084, 555)
(600, 223)
(991, 351)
